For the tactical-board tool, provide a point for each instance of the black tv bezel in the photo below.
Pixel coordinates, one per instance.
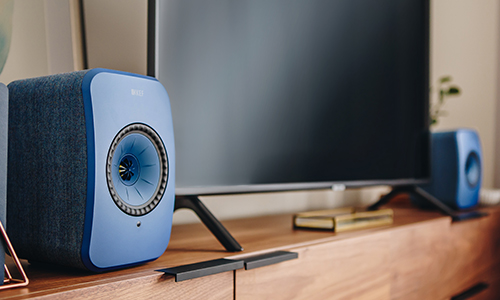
(296, 186)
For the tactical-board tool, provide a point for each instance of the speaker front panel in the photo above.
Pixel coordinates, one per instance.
(470, 171)
(134, 169)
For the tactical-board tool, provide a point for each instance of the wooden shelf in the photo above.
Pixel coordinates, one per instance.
(421, 249)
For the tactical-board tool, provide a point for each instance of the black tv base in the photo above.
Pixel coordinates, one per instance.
(218, 230)
(419, 192)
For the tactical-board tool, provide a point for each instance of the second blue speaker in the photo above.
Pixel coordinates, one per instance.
(456, 168)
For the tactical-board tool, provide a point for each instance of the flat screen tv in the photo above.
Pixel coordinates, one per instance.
(271, 95)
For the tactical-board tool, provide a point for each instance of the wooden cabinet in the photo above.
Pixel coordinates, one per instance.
(424, 259)
(423, 255)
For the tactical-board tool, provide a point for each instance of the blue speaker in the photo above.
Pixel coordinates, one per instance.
(456, 168)
(91, 169)
(4, 116)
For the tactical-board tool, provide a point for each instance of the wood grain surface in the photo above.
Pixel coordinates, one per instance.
(417, 255)
(355, 268)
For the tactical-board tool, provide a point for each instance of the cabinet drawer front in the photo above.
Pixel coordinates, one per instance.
(355, 268)
(213, 287)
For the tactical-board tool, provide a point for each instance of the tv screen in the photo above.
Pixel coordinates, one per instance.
(293, 94)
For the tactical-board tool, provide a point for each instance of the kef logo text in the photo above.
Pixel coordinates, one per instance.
(139, 93)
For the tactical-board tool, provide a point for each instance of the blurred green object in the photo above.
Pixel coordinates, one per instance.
(444, 89)
(6, 11)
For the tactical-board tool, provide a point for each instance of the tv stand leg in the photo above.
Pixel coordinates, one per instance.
(419, 192)
(218, 230)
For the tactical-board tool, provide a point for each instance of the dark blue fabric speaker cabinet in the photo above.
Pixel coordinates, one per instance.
(4, 115)
(456, 168)
(91, 169)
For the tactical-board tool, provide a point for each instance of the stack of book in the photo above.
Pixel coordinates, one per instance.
(342, 219)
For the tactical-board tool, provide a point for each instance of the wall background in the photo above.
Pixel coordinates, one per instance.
(45, 39)
(465, 44)
(28, 48)
(465, 40)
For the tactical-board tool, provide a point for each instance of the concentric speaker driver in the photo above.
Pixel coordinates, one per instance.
(137, 169)
(473, 169)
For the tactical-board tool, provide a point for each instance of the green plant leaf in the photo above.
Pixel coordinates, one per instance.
(453, 90)
(445, 79)
(444, 89)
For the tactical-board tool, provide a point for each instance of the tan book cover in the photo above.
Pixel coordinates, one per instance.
(342, 219)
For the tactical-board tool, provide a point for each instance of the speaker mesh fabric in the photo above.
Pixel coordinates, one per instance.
(47, 186)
